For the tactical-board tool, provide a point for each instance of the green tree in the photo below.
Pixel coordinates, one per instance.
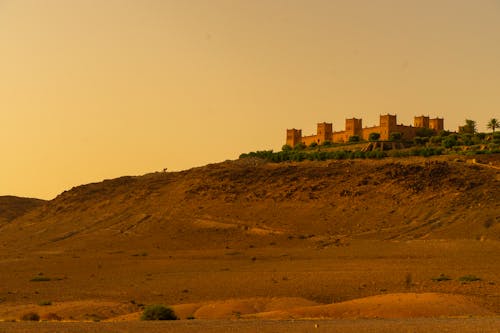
(425, 132)
(395, 136)
(493, 124)
(469, 127)
(354, 138)
(374, 136)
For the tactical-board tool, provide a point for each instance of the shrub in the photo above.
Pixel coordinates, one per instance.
(468, 278)
(286, 148)
(30, 316)
(374, 136)
(436, 139)
(158, 312)
(441, 277)
(44, 303)
(313, 144)
(354, 138)
(40, 279)
(449, 141)
(326, 144)
(467, 139)
(395, 136)
(496, 137)
(425, 132)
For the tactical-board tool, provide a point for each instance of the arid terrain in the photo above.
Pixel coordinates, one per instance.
(390, 245)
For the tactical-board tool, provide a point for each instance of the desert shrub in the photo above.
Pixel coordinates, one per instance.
(374, 136)
(441, 277)
(496, 137)
(286, 148)
(30, 316)
(313, 144)
(44, 303)
(436, 139)
(425, 132)
(395, 136)
(40, 279)
(376, 154)
(359, 154)
(158, 312)
(449, 141)
(418, 140)
(480, 136)
(468, 278)
(466, 138)
(326, 144)
(299, 146)
(354, 138)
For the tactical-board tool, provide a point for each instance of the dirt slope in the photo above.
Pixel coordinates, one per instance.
(251, 201)
(12, 207)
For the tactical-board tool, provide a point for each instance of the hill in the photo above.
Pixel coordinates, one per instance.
(234, 201)
(12, 207)
(247, 237)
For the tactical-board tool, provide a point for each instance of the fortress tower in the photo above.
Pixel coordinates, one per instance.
(436, 124)
(353, 126)
(388, 124)
(421, 121)
(293, 137)
(324, 132)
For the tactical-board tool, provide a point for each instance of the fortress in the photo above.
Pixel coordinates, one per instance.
(354, 127)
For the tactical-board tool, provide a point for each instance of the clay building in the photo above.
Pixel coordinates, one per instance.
(354, 127)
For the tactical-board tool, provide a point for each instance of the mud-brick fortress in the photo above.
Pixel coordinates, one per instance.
(388, 124)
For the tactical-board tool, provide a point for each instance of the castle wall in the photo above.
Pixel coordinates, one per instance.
(408, 132)
(341, 137)
(353, 126)
(365, 134)
(307, 140)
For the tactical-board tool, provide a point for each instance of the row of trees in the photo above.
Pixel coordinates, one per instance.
(471, 127)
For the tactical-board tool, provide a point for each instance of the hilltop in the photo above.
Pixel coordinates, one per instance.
(13, 207)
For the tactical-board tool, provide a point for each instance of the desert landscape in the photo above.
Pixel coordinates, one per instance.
(246, 245)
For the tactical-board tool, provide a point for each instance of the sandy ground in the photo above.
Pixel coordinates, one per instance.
(428, 325)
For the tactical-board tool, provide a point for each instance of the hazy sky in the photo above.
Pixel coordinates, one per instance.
(95, 89)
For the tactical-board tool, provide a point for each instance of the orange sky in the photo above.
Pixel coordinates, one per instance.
(94, 89)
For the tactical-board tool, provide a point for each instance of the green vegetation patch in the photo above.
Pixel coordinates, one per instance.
(468, 278)
(40, 279)
(441, 277)
(158, 312)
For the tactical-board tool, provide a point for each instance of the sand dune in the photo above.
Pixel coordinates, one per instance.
(401, 305)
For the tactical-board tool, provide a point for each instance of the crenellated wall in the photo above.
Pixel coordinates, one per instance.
(353, 126)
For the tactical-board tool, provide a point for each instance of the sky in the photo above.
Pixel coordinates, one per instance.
(93, 89)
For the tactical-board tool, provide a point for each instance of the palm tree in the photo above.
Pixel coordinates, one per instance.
(493, 124)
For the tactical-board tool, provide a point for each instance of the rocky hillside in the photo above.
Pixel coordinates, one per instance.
(12, 207)
(249, 201)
